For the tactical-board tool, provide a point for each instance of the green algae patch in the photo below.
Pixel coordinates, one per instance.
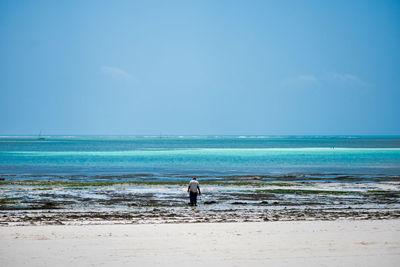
(279, 184)
(42, 188)
(10, 200)
(81, 184)
(383, 193)
(85, 184)
(307, 192)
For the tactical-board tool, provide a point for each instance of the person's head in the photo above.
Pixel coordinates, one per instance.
(194, 178)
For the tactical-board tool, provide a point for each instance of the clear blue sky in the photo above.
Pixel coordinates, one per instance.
(200, 67)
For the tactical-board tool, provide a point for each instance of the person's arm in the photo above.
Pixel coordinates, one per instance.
(189, 188)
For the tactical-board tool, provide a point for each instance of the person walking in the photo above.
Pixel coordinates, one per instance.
(193, 190)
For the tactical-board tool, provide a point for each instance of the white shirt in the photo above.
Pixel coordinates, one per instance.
(193, 186)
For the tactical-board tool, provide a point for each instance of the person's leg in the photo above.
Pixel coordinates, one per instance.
(191, 198)
(195, 199)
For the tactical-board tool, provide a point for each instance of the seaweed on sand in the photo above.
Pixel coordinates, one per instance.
(307, 191)
(133, 183)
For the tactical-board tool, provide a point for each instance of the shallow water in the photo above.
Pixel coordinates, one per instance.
(166, 158)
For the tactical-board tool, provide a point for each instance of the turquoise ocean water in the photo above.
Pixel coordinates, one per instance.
(167, 157)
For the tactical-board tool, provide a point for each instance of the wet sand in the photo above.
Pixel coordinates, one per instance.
(306, 243)
(247, 199)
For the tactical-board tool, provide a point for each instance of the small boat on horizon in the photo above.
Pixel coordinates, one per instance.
(40, 137)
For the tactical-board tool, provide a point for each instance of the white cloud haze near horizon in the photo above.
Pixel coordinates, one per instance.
(116, 73)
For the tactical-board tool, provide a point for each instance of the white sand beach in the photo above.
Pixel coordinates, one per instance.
(304, 243)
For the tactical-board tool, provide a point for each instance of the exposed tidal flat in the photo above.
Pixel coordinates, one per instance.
(138, 199)
(125, 180)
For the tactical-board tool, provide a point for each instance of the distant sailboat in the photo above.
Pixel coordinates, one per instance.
(40, 137)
